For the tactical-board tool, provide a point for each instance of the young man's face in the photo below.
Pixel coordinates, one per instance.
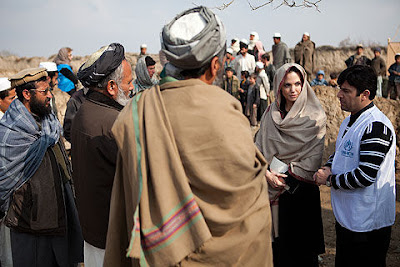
(349, 101)
(5, 103)
(377, 53)
(151, 69)
(360, 50)
(320, 77)
(398, 60)
(243, 51)
(229, 74)
(277, 40)
(143, 50)
(305, 37)
(252, 80)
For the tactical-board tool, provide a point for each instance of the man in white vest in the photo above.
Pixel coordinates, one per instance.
(361, 173)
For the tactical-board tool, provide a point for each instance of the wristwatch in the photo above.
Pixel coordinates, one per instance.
(328, 181)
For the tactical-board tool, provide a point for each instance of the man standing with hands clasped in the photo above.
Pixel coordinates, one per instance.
(361, 173)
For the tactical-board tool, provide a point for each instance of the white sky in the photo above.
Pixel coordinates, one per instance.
(42, 27)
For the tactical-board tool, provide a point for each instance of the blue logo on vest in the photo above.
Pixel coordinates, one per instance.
(348, 146)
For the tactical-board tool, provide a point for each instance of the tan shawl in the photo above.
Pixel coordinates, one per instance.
(297, 139)
(203, 196)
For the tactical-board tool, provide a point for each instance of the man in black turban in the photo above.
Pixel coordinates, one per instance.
(108, 76)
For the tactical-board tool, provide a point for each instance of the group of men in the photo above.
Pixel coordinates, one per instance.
(171, 176)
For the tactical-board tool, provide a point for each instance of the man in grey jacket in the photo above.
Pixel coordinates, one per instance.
(280, 52)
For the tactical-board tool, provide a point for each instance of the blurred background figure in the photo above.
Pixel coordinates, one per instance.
(7, 95)
(378, 64)
(280, 51)
(304, 54)
(66, 78)
(319, 79)
(252, 43)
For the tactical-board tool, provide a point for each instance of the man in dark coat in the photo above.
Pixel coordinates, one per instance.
(108, 76)
(358, 58)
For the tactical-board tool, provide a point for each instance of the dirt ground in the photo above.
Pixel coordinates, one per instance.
(393, 257)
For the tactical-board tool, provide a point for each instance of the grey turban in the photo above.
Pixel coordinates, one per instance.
(193, 38)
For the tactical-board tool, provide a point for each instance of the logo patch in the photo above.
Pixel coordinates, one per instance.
(348, 146)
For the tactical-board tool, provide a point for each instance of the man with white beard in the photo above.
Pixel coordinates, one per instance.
(108, 76)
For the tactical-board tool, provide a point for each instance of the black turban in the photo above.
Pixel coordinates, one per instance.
(101, 64)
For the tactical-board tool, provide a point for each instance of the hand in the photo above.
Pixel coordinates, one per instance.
(241, 90)
(322, 175)
(276, 180)
(254, 105)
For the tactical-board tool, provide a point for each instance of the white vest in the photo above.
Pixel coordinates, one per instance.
(372, 207)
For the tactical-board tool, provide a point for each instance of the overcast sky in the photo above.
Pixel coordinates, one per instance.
(42, 27)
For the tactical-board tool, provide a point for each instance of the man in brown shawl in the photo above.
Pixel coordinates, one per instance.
(189, 188)
(304, 54)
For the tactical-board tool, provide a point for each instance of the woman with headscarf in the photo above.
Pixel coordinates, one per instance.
(291, 138)
(66, 77)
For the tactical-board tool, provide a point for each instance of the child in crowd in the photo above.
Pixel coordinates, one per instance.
(333, 80)
(253, 100)
(319, 79)
(244, 85)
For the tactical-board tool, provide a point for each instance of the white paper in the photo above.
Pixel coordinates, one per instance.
(278, 166)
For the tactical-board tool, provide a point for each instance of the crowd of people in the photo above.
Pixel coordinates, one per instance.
(247, 57)
(164, 170)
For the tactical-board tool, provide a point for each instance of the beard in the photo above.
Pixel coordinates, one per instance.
(122, 99)
(40, 109)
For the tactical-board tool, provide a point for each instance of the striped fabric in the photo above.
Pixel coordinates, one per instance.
(374, 146)
(178, 221)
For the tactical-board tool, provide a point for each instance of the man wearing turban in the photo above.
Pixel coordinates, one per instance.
(108, 76)
(189, 187)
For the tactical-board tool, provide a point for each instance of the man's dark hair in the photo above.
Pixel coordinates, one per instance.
(396, 57)
(361, 77)
(27, 86)
(228, 69)
(196, 73)
(245, 73)
(266, 56)
(51, 73)
(4, 94)
(149, 61)
(333, 75)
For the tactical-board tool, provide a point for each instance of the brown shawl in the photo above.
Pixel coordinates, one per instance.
(297, 139)
(202, 197)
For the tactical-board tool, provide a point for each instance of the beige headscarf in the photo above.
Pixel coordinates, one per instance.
(62, 56)
(297, 139)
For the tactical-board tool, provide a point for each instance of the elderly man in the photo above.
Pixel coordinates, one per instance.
(108, 76)
(35, 178)
(7, 95)
(145, 70)
(304, 54)
(362, 174)
(280, 52)
(244, 61)
(190, 187)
